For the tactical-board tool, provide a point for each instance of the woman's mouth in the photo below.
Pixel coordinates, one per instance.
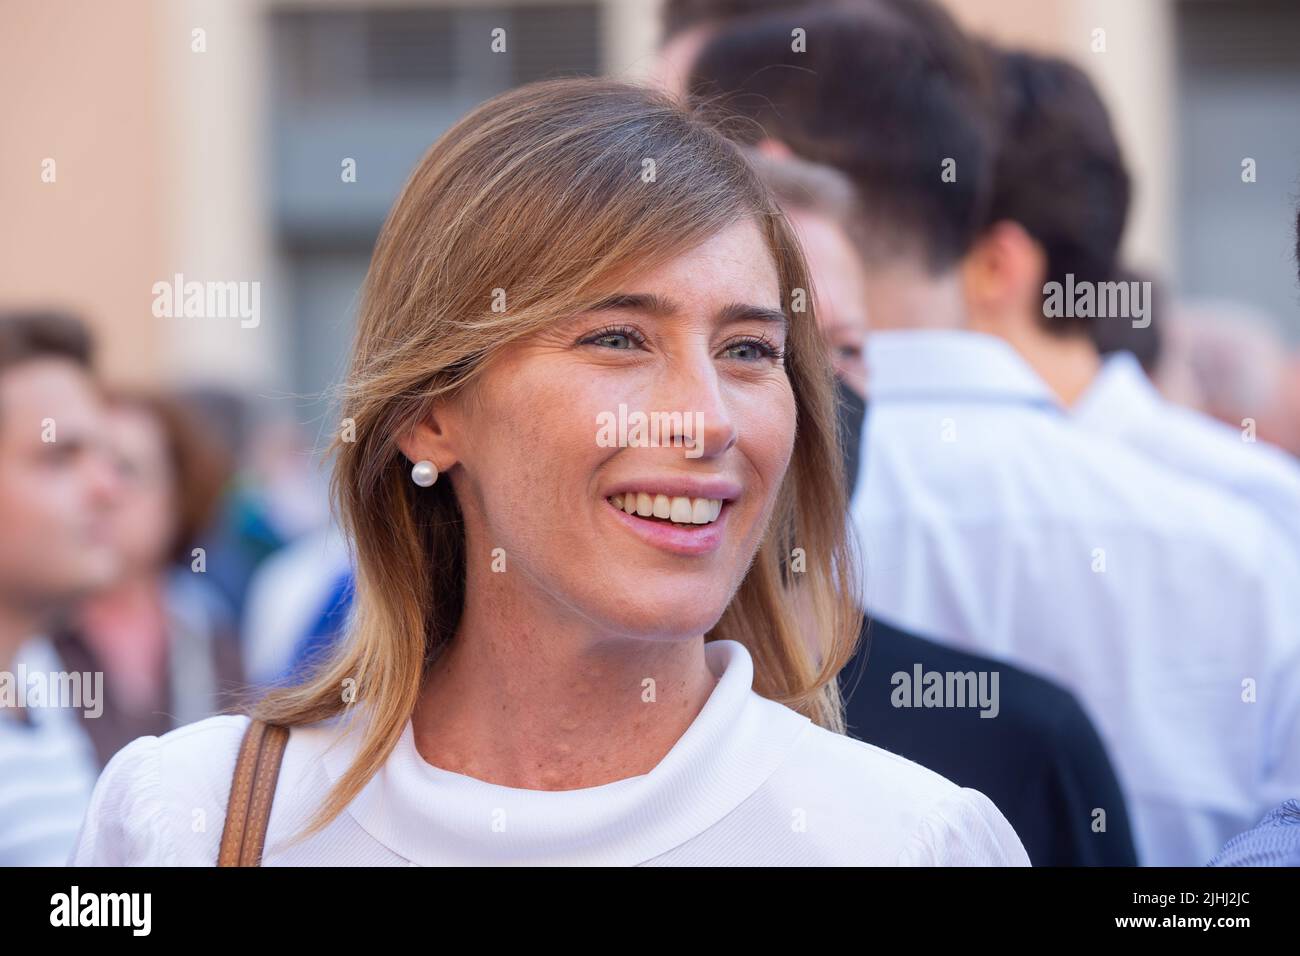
(673, 523)
(677, 509)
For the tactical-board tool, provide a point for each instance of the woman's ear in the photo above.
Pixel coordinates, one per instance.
(431, 439)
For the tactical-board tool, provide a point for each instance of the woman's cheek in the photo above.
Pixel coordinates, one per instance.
(772, 427)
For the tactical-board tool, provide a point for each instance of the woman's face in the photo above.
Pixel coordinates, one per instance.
(547, 473)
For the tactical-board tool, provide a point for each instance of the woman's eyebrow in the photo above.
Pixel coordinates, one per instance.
(741, 312)
(635, 302)
(658, 305)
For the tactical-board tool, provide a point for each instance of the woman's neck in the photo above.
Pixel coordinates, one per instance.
(526, 696)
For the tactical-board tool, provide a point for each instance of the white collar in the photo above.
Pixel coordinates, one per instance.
(950, 363)
(1120, 393)
(431, 816)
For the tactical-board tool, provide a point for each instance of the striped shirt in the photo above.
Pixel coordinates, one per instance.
(1275, 842)
(47, 772)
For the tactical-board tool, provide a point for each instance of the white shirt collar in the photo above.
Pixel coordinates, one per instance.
(427, 814)
(928, 364)
(1121, 392)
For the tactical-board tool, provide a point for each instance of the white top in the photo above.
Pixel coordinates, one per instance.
(1122, 402)
(47, 769)
(750, 782)
(990, 521)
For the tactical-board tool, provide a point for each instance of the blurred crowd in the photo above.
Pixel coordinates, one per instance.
(1103, 511)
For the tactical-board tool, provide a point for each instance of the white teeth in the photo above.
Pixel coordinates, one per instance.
(678, 509)
(701, 512)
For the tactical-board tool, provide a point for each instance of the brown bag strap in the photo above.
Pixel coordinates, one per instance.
(251, 791)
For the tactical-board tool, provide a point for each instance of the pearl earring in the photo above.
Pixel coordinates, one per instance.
(424, 473)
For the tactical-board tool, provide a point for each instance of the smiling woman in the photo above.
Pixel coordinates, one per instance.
(566, 651)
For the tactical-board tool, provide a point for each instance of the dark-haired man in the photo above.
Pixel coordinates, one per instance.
(1060, 203)
(56, 487)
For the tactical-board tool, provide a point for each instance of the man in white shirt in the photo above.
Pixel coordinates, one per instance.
(56, 486)
(1068, 223)
(1122, 402)
(988, 519)
(47, 764)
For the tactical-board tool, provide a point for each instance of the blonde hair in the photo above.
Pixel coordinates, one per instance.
(540, 191)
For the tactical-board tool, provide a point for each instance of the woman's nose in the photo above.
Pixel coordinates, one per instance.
(695, 389)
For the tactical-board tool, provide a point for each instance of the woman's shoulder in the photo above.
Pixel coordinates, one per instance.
(160, 799)
(891, 801)
(198, 755)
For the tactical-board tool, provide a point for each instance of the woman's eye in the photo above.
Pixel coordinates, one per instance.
(620, 339)
(616, 340)
(752, 350)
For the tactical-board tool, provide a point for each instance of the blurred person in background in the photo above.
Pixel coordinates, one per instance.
(162, 634)
(57, 486)
(1144, 343)
(1039, 759)
(275, 496)
(1228, 361)
(1060, 203)
(686, 25)
(298, 606)
(988, 519)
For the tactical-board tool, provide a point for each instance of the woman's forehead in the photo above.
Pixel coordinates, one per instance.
(732, 266)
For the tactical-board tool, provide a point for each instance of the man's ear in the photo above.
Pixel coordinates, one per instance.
(1002, 273)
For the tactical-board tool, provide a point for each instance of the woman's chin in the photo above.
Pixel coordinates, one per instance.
(670, 614)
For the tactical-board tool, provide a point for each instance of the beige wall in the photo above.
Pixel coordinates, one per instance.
(217, 206)
(81, 87)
